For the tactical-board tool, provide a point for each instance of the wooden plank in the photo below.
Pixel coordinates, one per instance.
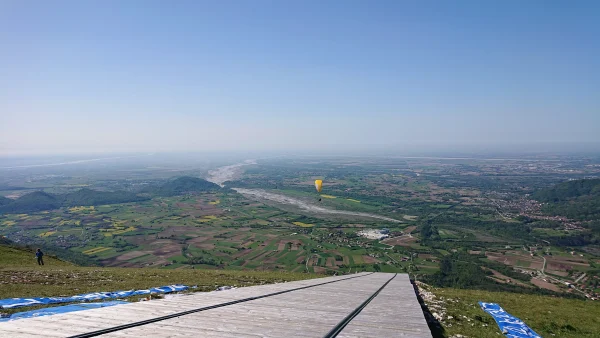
(395, 312)
(310, 312)
(306, 313)
(129, 313)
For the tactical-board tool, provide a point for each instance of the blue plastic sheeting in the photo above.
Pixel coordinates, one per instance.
(511, 326)
(9, 303)
(59, 309)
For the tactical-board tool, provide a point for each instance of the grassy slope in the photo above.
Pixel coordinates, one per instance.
(548, 316)
(20, 276)
(13, 257)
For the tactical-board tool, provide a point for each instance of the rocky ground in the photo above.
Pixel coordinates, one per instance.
(441, 316)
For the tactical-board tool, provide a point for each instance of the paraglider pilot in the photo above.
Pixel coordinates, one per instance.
(39, 255)
(318, 186)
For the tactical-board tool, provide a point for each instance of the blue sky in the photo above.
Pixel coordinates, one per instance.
(122, 76)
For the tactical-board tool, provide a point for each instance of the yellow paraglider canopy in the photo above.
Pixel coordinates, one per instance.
(318, 185)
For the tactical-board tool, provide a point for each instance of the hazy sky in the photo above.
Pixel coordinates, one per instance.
(90, 76)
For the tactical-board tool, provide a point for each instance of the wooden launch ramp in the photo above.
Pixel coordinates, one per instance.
(359, 305)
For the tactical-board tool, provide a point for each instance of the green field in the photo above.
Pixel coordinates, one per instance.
(475, 218)
(190, 231)
(17, 257)
(20, 276)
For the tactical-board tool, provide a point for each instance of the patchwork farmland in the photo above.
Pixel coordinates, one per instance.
(211, 230)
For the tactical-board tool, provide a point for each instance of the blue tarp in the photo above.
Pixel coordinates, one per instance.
(59, 309)
(511, 326)
(9, 303)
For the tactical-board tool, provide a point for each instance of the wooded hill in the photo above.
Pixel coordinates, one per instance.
(183, 185)
(39, 200)
(4, 200)
(578, 199)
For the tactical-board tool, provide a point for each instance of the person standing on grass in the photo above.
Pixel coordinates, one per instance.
(39, 255)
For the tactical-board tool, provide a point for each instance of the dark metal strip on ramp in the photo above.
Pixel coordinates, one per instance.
(341, 325)
(395, 312)
(183, 313)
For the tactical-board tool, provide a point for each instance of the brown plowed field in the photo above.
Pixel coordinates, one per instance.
(369, 259)
(402, 241)
(512, 259)
(544, 285)
(131, 255)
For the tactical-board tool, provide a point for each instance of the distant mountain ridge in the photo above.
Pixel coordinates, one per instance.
(4, 200)
(35, 201)
(92, 197)
(39, 200)
(568, 190)
(184, 185)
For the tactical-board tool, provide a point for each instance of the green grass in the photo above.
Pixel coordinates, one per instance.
(13, 257)
(548, 316)
(20, 276)
(154, 222)
(440, 206)
(523, 263)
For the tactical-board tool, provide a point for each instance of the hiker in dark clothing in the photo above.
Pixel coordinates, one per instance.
(39, 255)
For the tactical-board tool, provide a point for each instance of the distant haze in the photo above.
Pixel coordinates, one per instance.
(159, 76)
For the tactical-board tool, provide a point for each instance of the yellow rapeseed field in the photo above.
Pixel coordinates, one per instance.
(118, 232)
(95, 250)
(81, 209)
(304, 225)
(47, 233)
